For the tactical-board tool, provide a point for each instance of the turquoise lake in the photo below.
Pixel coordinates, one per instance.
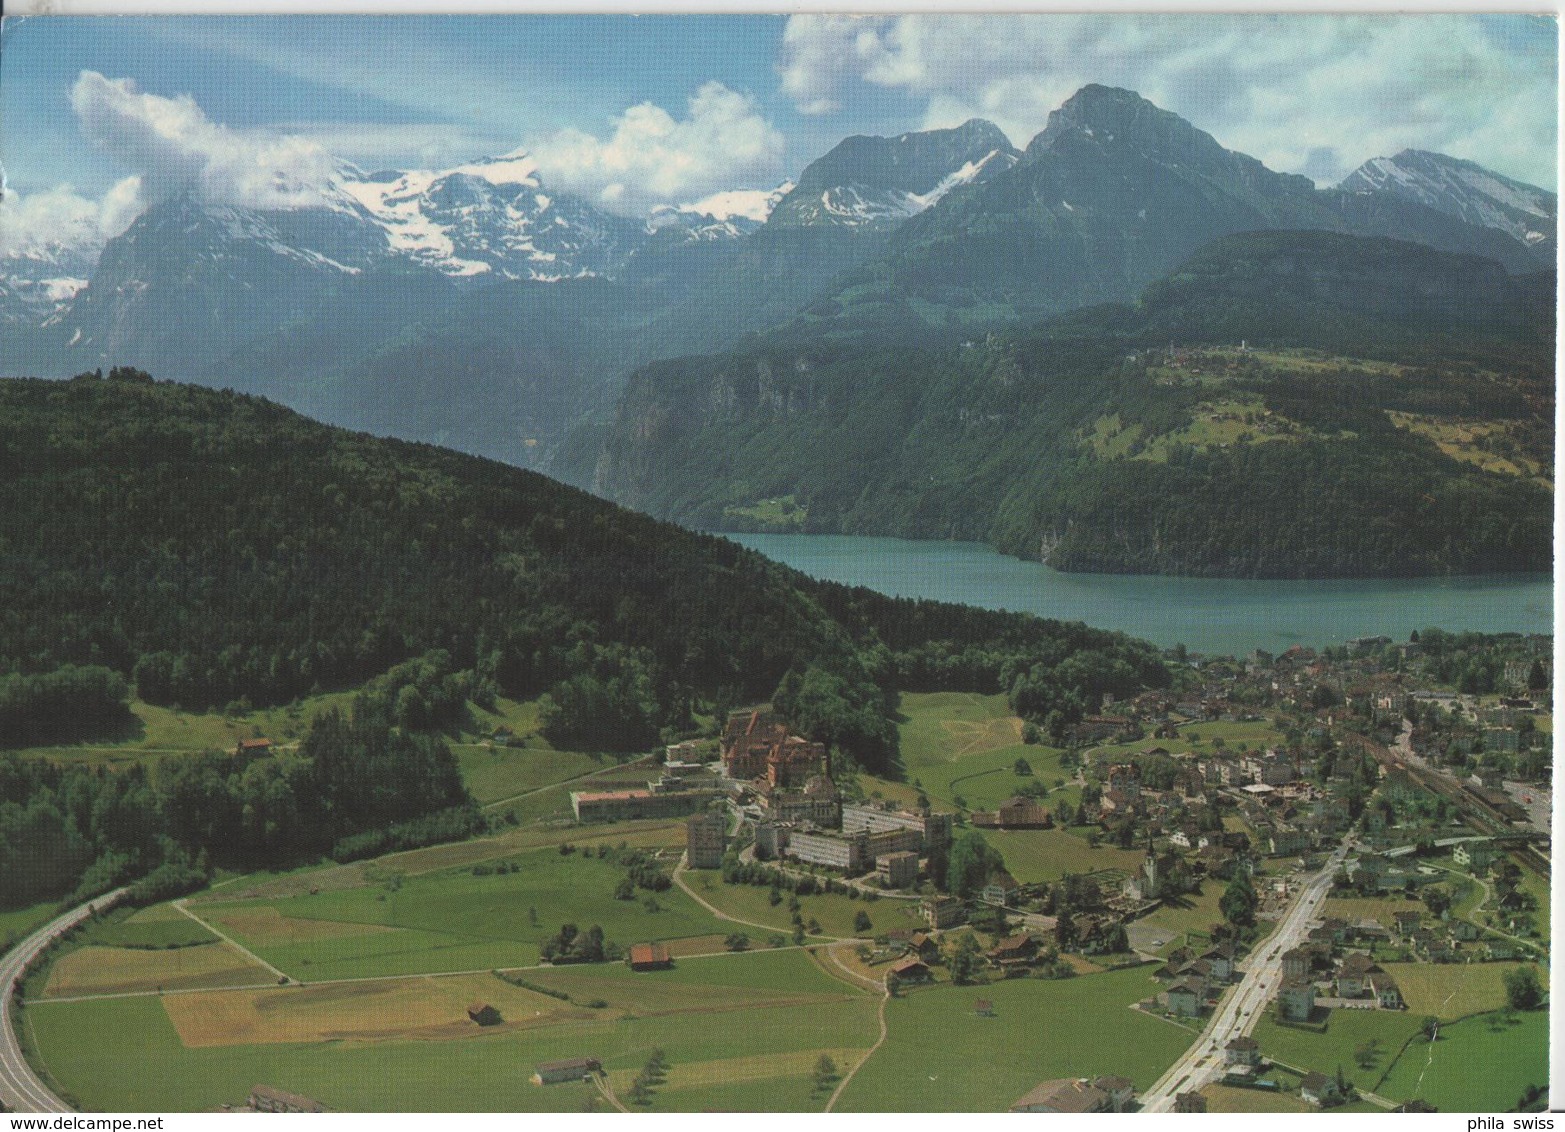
(1206, 615)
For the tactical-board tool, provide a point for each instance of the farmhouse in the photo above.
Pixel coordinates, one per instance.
(571, 1069)
(252, 748)
(1014, 813)
(264, 1098)
(911, 970)
(649, 957)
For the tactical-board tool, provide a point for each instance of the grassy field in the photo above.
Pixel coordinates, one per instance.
(120, 970)
(1381, 908)
(1479, 1065)
(1048, 854)
(1451, 991)
(941, 1056)
(496, 773)
(1346, 1031)
(834, 912)
(102, 1050)
(1256, 734)
(17, 923)
(1224, 1098)
(1193, 913)
(160, 731)
(451, 920)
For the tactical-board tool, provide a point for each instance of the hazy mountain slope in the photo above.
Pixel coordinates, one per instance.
(1014, 438)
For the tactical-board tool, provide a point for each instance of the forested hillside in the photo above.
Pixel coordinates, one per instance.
(211, 548)
(1285, 404)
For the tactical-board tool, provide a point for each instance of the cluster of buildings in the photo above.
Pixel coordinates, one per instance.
(1192, 980)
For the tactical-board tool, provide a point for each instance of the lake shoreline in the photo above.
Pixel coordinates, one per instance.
(1223, 616)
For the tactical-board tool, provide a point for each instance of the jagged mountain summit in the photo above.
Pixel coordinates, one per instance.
(1468, 191)
(878, 182)
(492, 216)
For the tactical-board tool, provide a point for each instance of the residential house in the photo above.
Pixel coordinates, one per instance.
(1385, 991)
(1067, 1095)
(1353, 974)
(1121, 1091)
(1001, 890)
(1319, 1089)
(1243, 1050)
(1296, 963)
(1185, 999)
(1013, 952)
(941, 911)
(1475, 856)
(1296, 1000)
(1407, 922)
(1189, 1102)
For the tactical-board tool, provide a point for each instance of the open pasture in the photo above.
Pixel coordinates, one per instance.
(1480, 1064)
(100, 1050)
(1048, 854)
(1346, 1032)
(1449, 990)
(118, 970)
(425, 1009)
(942, 1056)
(451, 920)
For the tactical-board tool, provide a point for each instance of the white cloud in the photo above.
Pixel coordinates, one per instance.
(651, 157)
(61, 221)
(175, 146)
(1306, 93)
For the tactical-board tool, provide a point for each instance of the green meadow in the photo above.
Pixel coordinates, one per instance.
(1480, 1064)
(125, 1055)
(942, 1056)
(451, 920)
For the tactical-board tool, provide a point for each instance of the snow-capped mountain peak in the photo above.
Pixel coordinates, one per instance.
(1465, 190)
(724, 215)
(490, 216)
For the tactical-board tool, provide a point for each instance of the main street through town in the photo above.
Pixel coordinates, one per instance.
(1202, 1063)
(21, 1090)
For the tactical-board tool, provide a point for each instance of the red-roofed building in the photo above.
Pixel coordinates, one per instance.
(649, 957)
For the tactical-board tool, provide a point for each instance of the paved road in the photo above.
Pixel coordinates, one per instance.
(1242, 1009)
(20, 1088)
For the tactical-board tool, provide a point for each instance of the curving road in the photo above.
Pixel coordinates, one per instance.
(20, 1088)
(1202, 1063)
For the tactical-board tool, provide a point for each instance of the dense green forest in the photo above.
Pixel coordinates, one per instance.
(1099, 438)
(207, 548)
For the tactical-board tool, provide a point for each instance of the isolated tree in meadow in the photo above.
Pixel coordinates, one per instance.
(1238, 901)
(737, 941)
(825, 1073)
(861, 922)
(1431, 1027)
(1523, 990)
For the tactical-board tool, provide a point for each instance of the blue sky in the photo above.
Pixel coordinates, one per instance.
(641, 109)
